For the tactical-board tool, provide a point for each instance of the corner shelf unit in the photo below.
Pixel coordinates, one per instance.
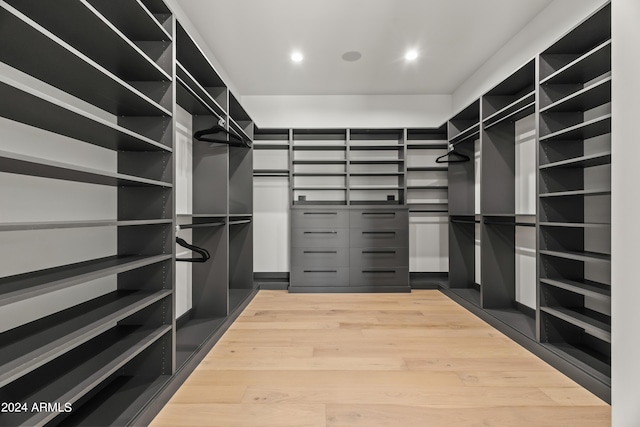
(82, 348)
(221, 216)
(574, 182)
(566, 90)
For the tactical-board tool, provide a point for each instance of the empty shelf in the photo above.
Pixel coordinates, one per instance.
(586, 287)
(427, 169)
(375, 161)
(584, 67)
(320, 162)
(21, 226)
(575, 193)
(585, 99)
(29, 285)
(376, 173)
(118, 403)
(588, 129)
(26, 105)
(30, 346)
(578, 256)
(587, 161)
(78, 377)
(27, 165)
(375, 147)
(574, 225)
(594, 323)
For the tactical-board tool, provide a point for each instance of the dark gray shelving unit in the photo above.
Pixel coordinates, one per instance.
(222, 213)
(502, 106)
(427, 199)
(463, 130)
(96, 54)
(271, 169)
(319, 166)
(568, 88)
(574, 183)
(376, 167)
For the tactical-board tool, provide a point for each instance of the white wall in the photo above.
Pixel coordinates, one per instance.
(183, 151)
(348, 111)
(554, 21)
(625, 208)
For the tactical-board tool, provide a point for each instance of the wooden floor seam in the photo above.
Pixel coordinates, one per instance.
(373, 360)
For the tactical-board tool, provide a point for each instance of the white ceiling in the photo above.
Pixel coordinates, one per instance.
(253, 40)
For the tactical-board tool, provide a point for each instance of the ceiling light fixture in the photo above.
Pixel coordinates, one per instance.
(411, 55)
(297, 57)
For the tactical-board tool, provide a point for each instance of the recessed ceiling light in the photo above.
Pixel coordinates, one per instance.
(411, 55)
(297, 57)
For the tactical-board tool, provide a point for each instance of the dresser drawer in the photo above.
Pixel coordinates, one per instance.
(379, 276)
(318, 276)
(320, 238)
(320, 257)
(375, 238)
(319, 218)
(379, 218)
(379, 257)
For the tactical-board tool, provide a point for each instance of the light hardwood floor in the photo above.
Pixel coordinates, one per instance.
(369, 360)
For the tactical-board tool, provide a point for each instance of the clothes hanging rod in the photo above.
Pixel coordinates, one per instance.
(201, 225)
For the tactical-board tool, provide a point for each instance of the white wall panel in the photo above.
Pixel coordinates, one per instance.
(526, 266)
(271, 224)
(625, 205)
(428, 242)
(525, 175)
(344, 111)
(184, 204)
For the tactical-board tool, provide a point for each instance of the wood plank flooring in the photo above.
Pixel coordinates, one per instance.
(370, 360)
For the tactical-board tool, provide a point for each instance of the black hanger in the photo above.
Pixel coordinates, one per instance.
(203, 252)
(453, 157)
(234, 137)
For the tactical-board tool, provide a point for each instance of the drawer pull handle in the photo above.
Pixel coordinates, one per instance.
(380, 213)
(320, 213)
(378, 252)
(320, 252)
(320, 232)
(320, 271)
(378, 232)
(379, 271)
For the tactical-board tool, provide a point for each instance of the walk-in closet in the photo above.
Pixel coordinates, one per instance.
(318, 213)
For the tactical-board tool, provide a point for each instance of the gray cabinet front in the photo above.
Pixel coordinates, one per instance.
(320, 238)
(378, 218)
(347, 248)
(320, 276)
(379, 276)
(319, 218)
(376, 238)
(379, 257)
(320, 257)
